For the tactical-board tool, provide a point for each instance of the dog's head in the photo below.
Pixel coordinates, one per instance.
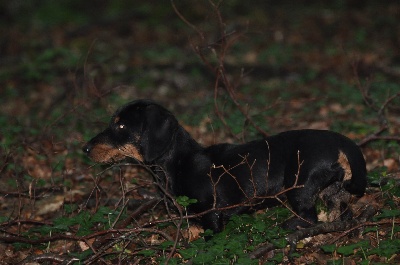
(141, 129)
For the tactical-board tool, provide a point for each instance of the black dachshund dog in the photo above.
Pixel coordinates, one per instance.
(228, 179)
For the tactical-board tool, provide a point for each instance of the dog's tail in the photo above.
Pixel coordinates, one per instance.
(356, 181)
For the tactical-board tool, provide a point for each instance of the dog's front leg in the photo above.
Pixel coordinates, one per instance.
(213, 221)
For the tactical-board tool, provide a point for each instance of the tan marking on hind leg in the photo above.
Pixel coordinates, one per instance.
(344, 163)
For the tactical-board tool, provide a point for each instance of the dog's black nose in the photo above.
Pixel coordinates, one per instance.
(86, 148)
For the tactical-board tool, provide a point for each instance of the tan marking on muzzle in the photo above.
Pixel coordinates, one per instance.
(130, 150)
(104, 153)
(344, 163)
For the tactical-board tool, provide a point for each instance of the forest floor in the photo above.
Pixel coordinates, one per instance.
(65, 68)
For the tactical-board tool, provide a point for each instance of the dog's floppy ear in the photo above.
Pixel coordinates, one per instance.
(158, 133)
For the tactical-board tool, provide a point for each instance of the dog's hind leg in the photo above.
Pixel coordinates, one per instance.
(303, 205)
(302, 199)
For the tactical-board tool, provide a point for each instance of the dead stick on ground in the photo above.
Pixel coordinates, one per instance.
(317, 230)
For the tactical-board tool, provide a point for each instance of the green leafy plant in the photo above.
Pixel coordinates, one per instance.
(185, 201)
(240, 236)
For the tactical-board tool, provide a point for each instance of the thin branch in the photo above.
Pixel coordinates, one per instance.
(183, 18)
(220, 48)
(371, 103)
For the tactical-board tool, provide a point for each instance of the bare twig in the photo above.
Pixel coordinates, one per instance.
(42, 258)
(220, 49)
(380, 110)
(22, 239)
(183, 18)
(144, 207)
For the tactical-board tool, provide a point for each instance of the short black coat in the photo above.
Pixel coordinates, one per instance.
(233, 178)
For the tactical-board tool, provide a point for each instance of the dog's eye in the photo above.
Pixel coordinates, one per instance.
(121, 126)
